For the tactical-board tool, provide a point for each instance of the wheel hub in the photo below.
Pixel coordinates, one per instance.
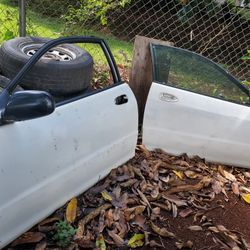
(57, 54)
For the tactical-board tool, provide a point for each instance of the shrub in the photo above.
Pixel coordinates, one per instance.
(94, 10)
(55, 8)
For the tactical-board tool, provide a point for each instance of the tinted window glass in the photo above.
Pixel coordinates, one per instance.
(187, 70)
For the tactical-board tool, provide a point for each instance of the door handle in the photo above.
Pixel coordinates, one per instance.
(122, 99)
(166, 97)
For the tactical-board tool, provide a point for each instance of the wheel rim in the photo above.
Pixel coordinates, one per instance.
(55, 54)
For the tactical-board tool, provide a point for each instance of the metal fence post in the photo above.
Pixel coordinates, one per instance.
(22, 18)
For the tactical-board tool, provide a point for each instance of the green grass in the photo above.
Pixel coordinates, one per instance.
(244, 12)
(9, 21)
(38, 25)
(121, 50)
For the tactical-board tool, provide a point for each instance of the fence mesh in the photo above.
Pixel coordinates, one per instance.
(212, 29)
(9, 20)
(218, 29)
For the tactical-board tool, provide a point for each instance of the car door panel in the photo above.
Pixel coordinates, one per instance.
(197, 125)
(191, 108)
(51, 159)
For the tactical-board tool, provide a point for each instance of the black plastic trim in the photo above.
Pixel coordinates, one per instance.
(120, 100)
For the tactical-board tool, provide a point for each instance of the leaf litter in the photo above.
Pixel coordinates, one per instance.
(155, 201)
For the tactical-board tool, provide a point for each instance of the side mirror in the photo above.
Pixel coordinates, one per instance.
(26, 105)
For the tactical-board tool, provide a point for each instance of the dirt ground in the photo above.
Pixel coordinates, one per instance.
(154, 201)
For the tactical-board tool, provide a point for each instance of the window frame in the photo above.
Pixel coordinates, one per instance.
(204, 59)
(5, 94)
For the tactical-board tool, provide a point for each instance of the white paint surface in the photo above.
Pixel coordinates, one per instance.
(198, 125)
(47, 161)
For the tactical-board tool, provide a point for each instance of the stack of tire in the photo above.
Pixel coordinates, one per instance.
(63, 71)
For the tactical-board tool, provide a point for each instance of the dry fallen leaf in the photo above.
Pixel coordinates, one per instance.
(178, 174)
(195, 228)
(181, 163)
(116, 238)
(247, 174)
(235, 188)
(144, 198)
(144, 150)
(154, 244)
(139, 209)
(214, 229)
(174, 199)
(185, 188)
(155, 192)
(174, 210)
(216, 186)
(130, 213)
(229, 176)
(29, 237)
(245, 189)
(162, 231)
(246, 198)
(71, 210)
(180, 245)
(47, 224)
(167, 207)
(186, 212)
(106, 196)
(88, 218)
(41, 245)
(100, 243)
(191, 174)
(128, 183)
(226, 174)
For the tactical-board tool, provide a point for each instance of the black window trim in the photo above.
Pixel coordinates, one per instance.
(87, 93)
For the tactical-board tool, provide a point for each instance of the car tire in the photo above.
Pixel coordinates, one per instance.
(4, 82)
(65, 69)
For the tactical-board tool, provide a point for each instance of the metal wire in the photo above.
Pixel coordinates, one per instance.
(218, 29)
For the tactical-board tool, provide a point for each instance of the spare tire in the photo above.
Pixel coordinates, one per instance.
(65, 69)
(4, 82)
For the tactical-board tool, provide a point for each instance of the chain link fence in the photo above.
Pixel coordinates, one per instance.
(218, 29)
(9, 18)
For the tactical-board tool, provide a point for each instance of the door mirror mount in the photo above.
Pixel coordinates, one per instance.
(26, 105)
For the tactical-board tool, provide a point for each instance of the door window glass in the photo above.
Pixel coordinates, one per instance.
(190, 71)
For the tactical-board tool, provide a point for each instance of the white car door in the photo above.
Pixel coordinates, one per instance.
(195, 107)
(46, 161)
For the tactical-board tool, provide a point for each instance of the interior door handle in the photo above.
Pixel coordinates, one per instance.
(122, 99)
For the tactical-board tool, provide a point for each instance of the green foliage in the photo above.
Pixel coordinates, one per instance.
(8, 32)
(55, 8)
(63, 233)
(246, 83)
(8, 35)
(94, 10)
(247, 57)
(13, 2)
(192, 8)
